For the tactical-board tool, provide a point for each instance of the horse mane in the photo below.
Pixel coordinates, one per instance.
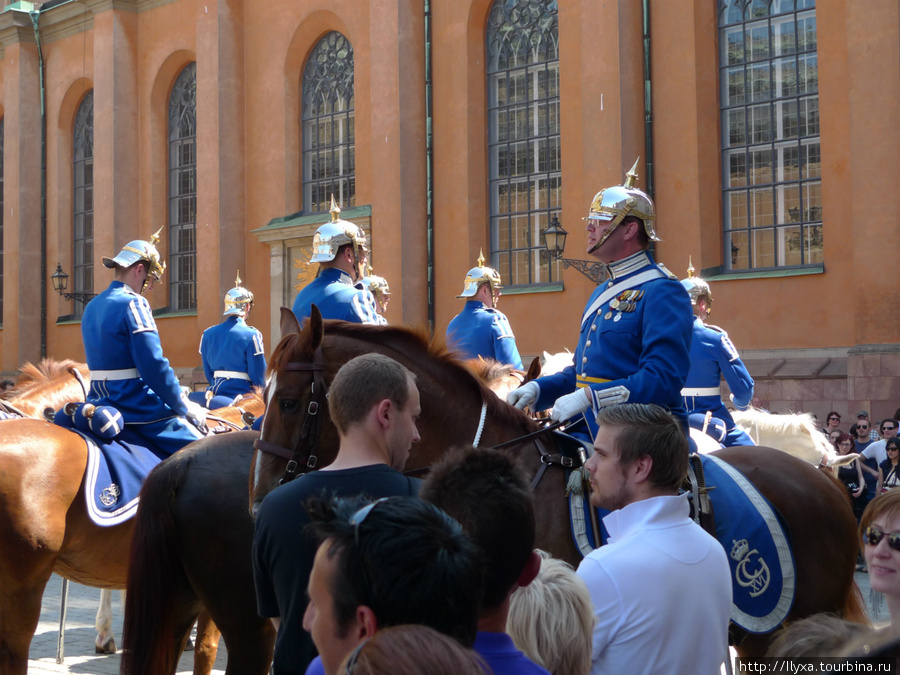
(488, 370)
(789, 425)
(48, 369)
(408, 341)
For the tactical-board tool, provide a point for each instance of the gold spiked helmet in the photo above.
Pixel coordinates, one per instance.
(613, 204)
(238, 300)
(137, 251)
(480, 275)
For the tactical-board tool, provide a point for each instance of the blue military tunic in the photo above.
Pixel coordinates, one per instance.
(336, 297)
(234, 360)
(129, 371)
(483, 331)
(634, 345)
(713, 357)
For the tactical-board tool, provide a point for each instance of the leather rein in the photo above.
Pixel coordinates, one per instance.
(309, 432)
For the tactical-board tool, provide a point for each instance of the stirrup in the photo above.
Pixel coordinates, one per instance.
(701, 505)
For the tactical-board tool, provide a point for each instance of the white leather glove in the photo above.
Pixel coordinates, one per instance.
(526, 395)
(196, 415)
(570, 405)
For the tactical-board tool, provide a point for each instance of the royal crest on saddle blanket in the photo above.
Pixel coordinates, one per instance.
(752, 534)
(118, 461)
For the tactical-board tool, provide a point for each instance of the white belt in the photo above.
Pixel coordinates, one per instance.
(124, 374)
(231, 375)
(700, 391)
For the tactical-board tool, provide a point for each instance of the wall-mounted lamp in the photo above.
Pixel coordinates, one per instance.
(60, 281)
(555, 243)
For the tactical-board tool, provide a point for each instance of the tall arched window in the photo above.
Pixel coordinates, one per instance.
(182, 266)
(771, 156)
(329, 161)
(523, 118)
(83, 199)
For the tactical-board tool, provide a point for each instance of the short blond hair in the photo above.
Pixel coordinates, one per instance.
(552, 619)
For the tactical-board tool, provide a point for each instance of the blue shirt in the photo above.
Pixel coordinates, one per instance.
(503, 657)
(336, 297)
(483, 331)
(713, 357)
(635, 341)
(235, 347)
(120, 334)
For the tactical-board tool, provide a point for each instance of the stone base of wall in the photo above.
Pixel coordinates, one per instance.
(847, 380)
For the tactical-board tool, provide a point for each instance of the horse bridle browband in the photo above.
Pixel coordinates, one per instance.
(310, 430)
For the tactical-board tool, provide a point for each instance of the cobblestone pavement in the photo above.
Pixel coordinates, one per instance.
(79, 656)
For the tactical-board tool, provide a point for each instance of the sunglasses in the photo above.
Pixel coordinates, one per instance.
(888, 428)
(833, 418)
(874, 534)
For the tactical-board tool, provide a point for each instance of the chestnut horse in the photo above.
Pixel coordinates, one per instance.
(45, 528)
(192, 546)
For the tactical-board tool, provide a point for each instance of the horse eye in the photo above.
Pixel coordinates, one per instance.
(287, 405)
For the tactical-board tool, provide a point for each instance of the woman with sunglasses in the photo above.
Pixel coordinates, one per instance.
(880, 533)
(832, 422)
(890, 468)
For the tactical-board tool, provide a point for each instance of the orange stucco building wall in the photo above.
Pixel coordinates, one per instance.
(814, 339)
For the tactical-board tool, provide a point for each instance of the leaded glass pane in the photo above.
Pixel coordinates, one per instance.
(83, 200)
(770, 126)
(182, 267)
(525, 171)
(328, 125)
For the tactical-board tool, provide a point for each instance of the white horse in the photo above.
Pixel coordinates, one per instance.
(553, 363)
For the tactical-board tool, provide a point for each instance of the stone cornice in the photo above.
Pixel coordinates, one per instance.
(15, 28)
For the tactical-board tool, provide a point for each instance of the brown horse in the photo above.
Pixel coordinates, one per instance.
(193, 547)
(45, 528)
(49, 384)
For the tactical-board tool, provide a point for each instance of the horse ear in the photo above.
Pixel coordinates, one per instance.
(316, 325)
(289, 323)
(534, 370)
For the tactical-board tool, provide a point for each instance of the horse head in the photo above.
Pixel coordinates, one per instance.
(297, 427)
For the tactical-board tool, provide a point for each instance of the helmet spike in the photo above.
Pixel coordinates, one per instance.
(237, 279)
(632, 176)
(481, 257)
(335, 210)
(690, 269)
(154, 238)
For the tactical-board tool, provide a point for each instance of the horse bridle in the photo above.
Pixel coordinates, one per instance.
(309, 432)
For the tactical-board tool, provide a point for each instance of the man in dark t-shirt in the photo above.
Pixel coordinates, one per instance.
(374, 404)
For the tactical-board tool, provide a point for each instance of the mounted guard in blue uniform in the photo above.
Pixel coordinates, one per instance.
(123, 351)
(481, 329)
(234, 360)
(340, 249)
(713, 357)
(635, 335)
(381, 292)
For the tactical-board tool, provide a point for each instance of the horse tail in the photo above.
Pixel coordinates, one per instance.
(855, 607)
(155, 572)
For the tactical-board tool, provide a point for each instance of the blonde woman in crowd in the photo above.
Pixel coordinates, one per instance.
(880, 533)
(551, 620)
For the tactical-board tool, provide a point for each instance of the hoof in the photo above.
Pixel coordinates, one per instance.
(107, 647)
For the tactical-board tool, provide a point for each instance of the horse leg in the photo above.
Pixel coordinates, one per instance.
(105, 642)
(20, 611)
(207, 645)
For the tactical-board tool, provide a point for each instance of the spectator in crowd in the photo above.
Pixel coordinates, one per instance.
(861, 440)
(487, 492)
(890, 468)
(374, 404)
(880, 534)
(551, 620)
(394, 561)
(835, 434)
(832, 422)
(817, 635)
(876, 450)
(412, 650)
(863, 415)
(640, 460)
(851, 475)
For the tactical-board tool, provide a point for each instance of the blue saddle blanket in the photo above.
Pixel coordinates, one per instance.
(750, 530)
(115, 471)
